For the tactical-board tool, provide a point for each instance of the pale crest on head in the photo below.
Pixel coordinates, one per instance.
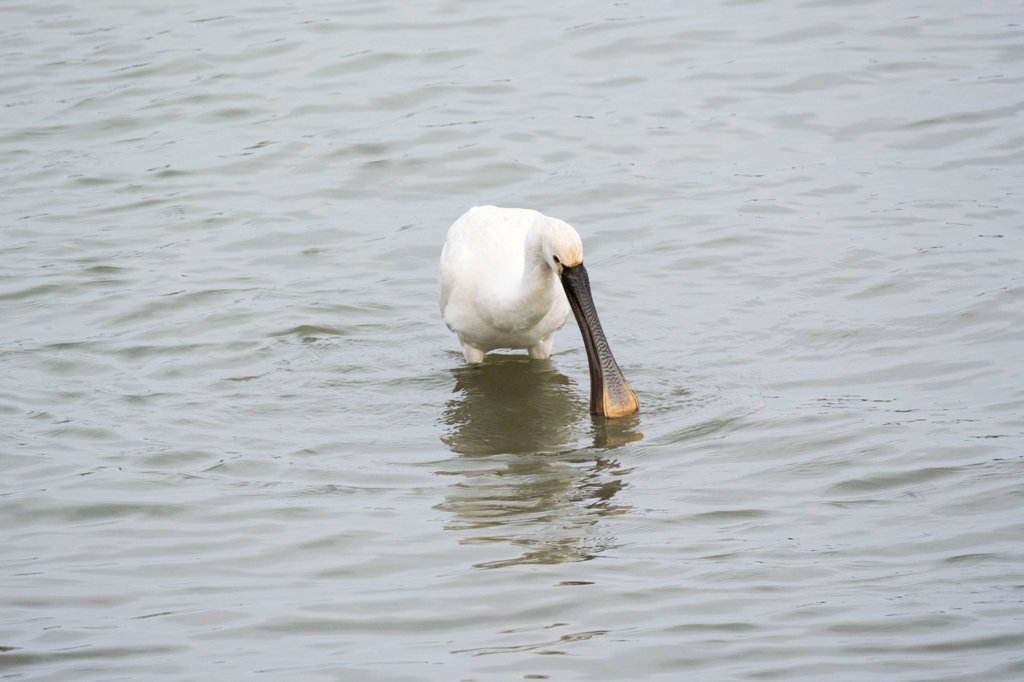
(565, 242)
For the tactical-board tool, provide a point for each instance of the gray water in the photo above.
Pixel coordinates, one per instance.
(238, 443)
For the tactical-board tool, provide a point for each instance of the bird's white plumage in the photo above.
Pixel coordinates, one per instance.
(499, 279)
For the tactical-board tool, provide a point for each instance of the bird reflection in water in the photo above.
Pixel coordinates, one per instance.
(534, 467)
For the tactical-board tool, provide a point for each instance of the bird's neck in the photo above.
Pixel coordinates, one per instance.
(536, 288)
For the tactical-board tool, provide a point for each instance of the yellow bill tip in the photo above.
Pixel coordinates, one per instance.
(623, 403)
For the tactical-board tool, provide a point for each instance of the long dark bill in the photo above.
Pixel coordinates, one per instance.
(610, 394)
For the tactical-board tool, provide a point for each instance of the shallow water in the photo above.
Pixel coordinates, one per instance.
(237, 439)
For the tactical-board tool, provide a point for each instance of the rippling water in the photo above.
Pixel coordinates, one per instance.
(237, 439)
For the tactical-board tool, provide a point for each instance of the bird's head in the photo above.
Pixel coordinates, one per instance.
(562, 246)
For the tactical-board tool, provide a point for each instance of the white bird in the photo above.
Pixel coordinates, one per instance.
(509, 277)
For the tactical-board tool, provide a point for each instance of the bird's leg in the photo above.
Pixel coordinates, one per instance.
(542, 351)
(474, 356)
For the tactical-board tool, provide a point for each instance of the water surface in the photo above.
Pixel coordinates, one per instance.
(236, 439)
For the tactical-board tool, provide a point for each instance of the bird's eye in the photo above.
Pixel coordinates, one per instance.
(556, 259)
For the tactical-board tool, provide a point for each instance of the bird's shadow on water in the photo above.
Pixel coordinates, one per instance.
(535, 469)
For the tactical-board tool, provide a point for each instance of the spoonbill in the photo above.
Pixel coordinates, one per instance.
(509, 277)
